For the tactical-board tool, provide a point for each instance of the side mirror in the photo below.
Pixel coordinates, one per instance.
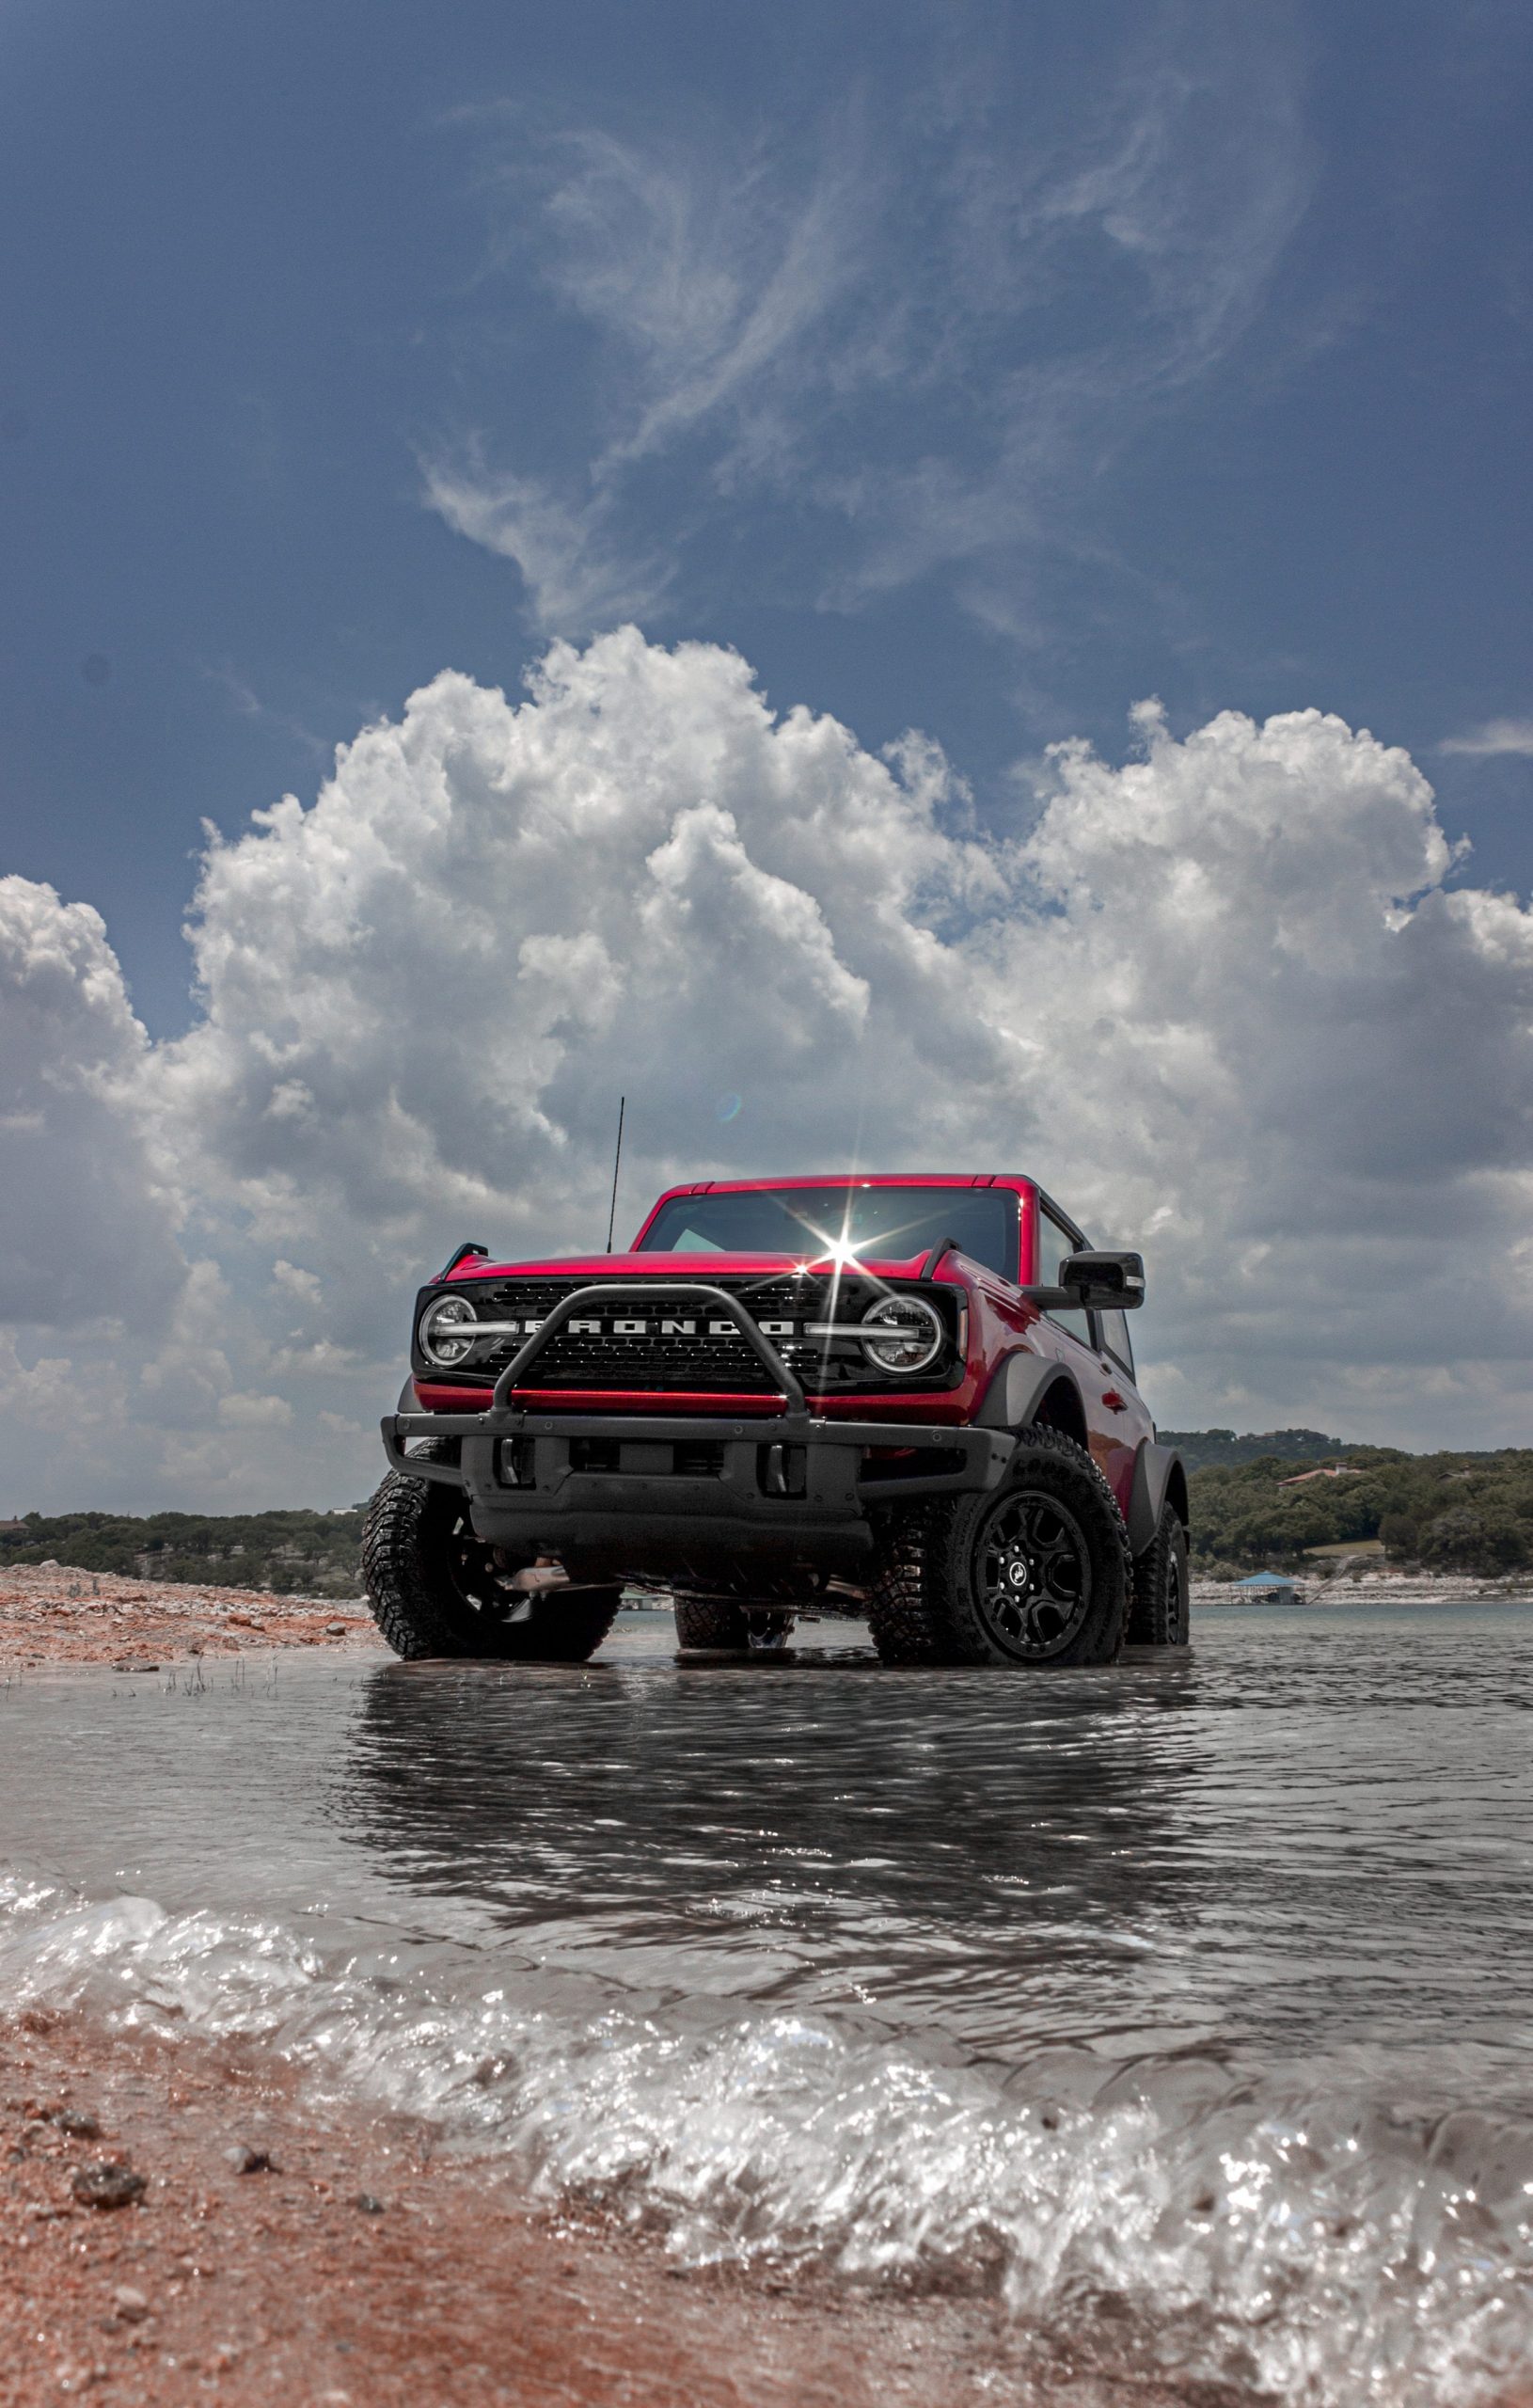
(1102, 1283)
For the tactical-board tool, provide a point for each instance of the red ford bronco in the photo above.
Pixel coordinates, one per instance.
(906, 1399)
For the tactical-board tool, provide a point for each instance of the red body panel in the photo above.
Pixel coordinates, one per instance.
(1001, 1323)
(679, 1266)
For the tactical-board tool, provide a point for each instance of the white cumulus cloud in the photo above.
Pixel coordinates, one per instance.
(88, 1216)
(1222, 998)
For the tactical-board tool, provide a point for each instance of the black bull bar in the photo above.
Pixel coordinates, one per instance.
(785, 1488)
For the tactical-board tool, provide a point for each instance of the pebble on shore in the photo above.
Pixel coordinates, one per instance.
(365, 2265)
(51, 1613)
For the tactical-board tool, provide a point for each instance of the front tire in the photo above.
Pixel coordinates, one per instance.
(1161, 1609)
(1034, 1571)
(437, 1589)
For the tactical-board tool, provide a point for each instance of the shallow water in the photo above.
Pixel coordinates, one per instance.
(1197, 1989)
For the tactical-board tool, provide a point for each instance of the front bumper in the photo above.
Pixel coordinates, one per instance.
(671, 1495)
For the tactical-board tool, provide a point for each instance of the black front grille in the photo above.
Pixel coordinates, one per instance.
(676, 1360)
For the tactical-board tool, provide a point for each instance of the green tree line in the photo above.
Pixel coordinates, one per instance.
(297, 1553)
(1447, 1513)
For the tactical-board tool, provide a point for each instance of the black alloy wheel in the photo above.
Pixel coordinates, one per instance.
(481, 1574)
(1034, 1572)
(1032, 1576)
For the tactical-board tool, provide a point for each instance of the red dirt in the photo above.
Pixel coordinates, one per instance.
(275, 2285)
(52, 1614)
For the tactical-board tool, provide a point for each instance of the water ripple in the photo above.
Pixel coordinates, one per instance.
(1187, 2000)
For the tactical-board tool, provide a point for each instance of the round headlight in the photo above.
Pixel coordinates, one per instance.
(440, 1324)
(904, 1333)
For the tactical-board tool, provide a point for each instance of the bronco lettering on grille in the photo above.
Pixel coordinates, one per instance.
(627, 1325)
(633, 1326)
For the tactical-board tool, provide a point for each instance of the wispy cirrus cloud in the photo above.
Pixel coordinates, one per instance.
(1493, 739)
(243, 699)
(714, 275)
(920, 321)
(574, 573)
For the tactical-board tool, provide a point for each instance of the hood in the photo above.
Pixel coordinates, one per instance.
(687, 1266)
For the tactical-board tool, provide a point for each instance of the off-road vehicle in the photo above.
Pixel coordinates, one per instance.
(907, 1399)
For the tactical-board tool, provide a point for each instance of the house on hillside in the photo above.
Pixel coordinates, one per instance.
(1323, 1471)
(1269, 1589)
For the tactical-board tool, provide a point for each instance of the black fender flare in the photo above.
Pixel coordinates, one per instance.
(1160, 1479)
(1019, 1389)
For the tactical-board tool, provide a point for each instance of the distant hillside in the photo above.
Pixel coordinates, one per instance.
(1449, 1512)
(295, 1554)
(1200, 1448)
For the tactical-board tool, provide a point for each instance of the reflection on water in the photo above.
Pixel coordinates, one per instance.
(947, 1851)
(1296, 1839)
(1197, 1984)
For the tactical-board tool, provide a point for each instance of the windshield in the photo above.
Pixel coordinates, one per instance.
(890, 1221)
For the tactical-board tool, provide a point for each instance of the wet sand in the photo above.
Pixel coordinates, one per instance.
(58, 1615)
(357, 2266)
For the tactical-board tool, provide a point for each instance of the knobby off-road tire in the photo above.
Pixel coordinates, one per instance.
(1036, 1571)
(1159, 1611)
(724, 1623)
(436, 1589)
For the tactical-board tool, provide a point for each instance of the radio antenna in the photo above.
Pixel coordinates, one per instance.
(613, 1216)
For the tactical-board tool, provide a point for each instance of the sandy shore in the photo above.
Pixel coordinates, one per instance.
(351, 2265)
(54, 1615)
(1369, 1588)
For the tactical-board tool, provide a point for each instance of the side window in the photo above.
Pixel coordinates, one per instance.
(1055, 1243)
(1114, 1330)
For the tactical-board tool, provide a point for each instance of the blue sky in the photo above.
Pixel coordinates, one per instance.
(915, 569)
(980, 369)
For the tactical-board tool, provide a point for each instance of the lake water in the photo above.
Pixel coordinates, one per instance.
(1194, 1997)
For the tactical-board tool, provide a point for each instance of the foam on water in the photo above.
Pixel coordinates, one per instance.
(1276, 2229)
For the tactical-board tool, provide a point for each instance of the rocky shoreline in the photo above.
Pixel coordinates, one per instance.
(52, 1614)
